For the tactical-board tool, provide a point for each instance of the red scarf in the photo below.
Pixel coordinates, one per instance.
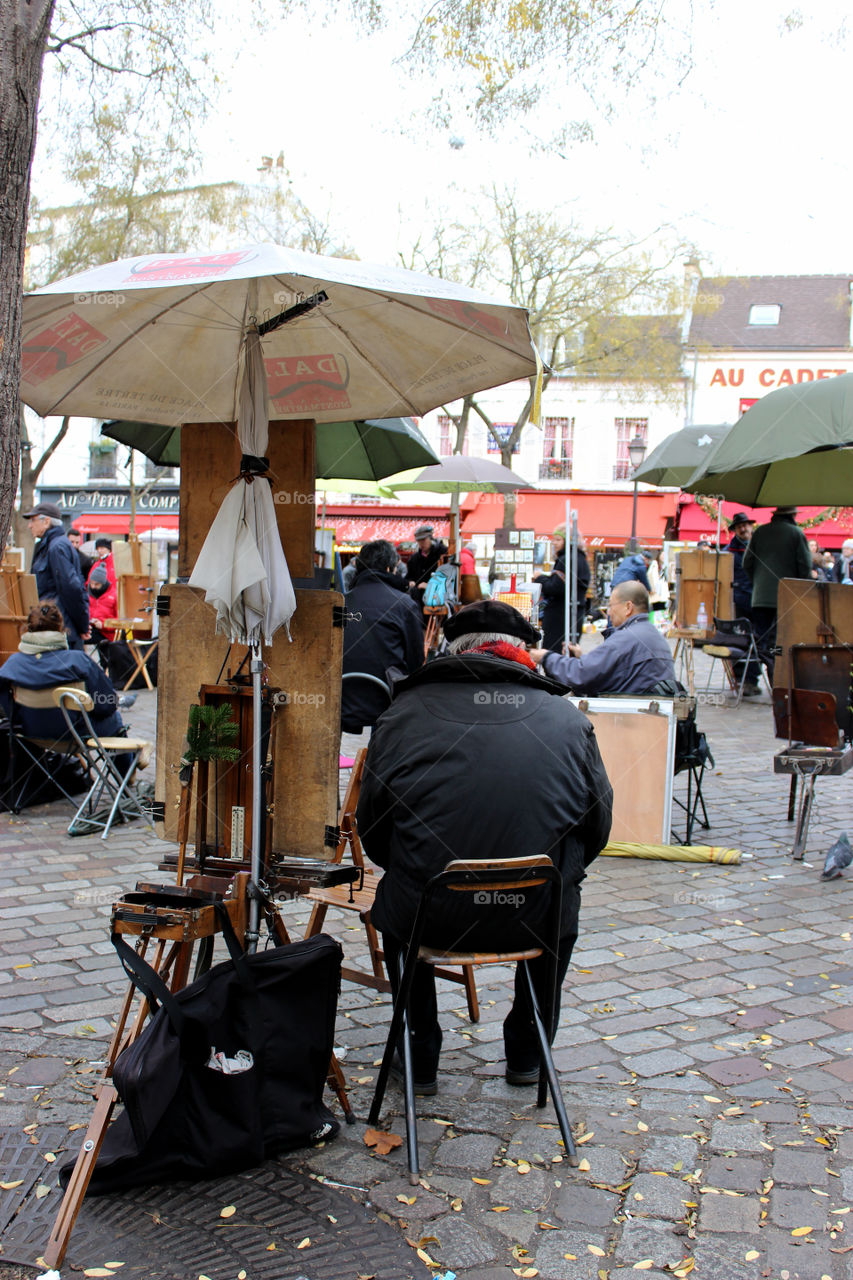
(500, 649)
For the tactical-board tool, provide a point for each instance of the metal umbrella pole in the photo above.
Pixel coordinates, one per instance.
(572, 631)
(253, 931)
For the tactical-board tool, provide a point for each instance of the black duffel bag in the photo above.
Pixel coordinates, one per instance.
(183, 1119)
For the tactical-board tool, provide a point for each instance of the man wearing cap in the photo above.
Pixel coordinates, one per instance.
(57, 571)
(479, 756)
(633, 569)
(425, 560)
(740, 528)
(776, 550)
(632, 658)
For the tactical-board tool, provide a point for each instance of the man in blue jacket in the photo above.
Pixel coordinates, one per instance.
(57, 571)
(633, 658)
(634, 568)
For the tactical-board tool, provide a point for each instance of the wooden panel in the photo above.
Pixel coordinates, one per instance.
(18, 593)
(805, 609)
(11, 630)
(210, 462)
(637, 753)
(307, 671)
(135, 599)
(703, 577)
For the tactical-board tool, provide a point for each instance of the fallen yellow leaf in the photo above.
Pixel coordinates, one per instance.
(584, 1165)
(304, 1244)
(100, 1271)
(523, 1166)
(49, 1157)
(10, 1186)
(645, 1265)
(644, 1128)
(526, 1272)
(482, 1182)
(500, 1208)
(585, 1137)
(802, 1231)
(270, 1248)
(228, 1211)
(425, 1258)
(752, 1255)
(42, 1191)
(407, 1199)
(594, 1249)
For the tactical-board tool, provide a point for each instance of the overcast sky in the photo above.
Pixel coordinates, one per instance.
(750, 159)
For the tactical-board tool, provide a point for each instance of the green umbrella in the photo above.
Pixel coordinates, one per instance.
(792, 447)
(346, 450)
(677, 457)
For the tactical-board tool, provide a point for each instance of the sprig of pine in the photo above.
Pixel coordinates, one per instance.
(211, 733)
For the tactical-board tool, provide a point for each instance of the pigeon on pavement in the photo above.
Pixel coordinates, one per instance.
(838, 857)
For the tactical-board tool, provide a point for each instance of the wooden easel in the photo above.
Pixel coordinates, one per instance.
(174, 931)
(18, 594)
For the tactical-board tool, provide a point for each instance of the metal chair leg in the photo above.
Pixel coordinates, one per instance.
(548, 1071)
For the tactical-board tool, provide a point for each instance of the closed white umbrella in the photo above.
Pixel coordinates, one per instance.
(243, 571)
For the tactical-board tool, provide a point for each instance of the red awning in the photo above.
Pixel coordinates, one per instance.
(353, 527)
(693, 522)
(604, 518)
(97, 522)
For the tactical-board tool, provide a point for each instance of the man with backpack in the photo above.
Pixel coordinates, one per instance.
(423, 562)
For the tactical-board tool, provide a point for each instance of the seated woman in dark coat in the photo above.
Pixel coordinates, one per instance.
(44, 661)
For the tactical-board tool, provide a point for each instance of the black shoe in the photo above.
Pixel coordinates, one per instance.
(522, 1077)
(423, 1088)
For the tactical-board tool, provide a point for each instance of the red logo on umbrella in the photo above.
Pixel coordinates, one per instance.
(46, 353)
(300, 384)
(189, 266)
(469, 316)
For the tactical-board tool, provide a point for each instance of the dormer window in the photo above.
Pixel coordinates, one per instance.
(765, 313)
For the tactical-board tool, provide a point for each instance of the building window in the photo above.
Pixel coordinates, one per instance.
(156, 471)
(102, 461)
(447, 436)
(557, 449)
(626, 429)
(765, 313)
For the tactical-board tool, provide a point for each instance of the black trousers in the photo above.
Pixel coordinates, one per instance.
(520, 1043)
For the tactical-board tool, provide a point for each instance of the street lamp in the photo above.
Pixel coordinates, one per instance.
(636, 452)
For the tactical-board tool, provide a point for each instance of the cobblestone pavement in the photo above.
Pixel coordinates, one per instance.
(705, 1050)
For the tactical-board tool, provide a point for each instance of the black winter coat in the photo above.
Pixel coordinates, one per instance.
(479, 757)
(422, 563)
(389, 633)
(58, 577)
(554, 587)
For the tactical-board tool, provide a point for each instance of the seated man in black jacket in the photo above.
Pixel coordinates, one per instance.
(384, 631)
(479, 756)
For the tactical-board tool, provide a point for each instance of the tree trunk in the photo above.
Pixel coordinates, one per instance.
(508, 498)
(24, 27)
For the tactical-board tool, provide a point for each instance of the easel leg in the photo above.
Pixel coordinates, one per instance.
(806, 798)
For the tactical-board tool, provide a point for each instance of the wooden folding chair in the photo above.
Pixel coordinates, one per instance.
(360, 900)
(477, 878)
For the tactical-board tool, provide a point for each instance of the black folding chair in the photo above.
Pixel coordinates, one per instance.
(36, 764)
(489, 876)
(735, 642)
(692, 756)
